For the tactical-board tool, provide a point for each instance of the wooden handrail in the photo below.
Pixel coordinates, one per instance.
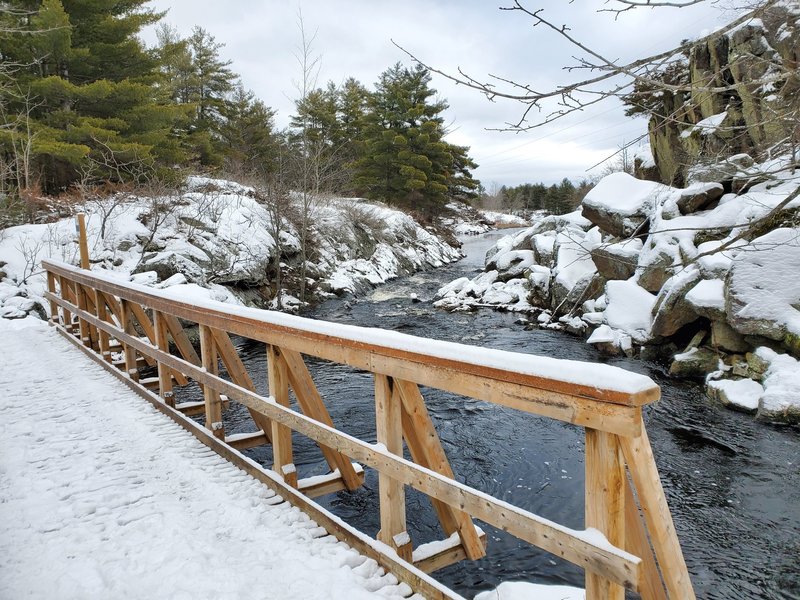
(605, 400)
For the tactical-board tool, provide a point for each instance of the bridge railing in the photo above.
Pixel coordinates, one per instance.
(629, 541)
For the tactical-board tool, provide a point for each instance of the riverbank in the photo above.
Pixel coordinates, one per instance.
(699, 278)
(219, 240)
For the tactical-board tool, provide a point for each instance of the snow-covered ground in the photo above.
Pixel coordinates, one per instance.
(101, 496)
(218, 239)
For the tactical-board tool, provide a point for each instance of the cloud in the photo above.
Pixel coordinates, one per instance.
(354, 38)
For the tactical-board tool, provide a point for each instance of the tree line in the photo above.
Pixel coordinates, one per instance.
(525, 198)
(83, 102)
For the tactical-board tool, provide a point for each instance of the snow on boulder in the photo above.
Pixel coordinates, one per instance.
(619, 204)
(521, 590)
(671, 310)
(610, 341)
(629, 309)
(511, 264)
(763, 289)
(707, 298)
(739, 394)
(781, 400)
(573, 251)
(617, 261)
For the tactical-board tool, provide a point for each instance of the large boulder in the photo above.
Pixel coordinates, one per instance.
(698, 196)
(671, 310)
(762, 293)
(617, 261)
(694, 363)
(629, 309)
(707, 299)
(621, 204)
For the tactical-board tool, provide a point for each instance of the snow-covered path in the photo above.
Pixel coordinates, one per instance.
(101, 496)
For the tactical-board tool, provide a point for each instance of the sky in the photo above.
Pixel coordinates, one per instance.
(356, 38)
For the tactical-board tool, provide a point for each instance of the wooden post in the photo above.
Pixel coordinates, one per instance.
(51, 287)
(644, 473)
(86, 335)
(213, 402)
(637, 543)
(102, 313)
(426, 450)
(63, 283)
(605, 503)
(389, 427)
(130, 352)
(283, 461)
(82, 241)
(310, 401)
(164, 374)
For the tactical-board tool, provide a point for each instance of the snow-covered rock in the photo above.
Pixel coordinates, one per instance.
(220, 233)
(629, 309)
(739, 394)
(763, 289)
(620, 204)
(780, 400)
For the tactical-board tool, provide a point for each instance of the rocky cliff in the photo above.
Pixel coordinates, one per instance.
(736, 92)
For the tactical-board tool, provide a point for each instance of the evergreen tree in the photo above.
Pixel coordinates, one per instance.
(405, 159)
(247, 132)
(84, 89)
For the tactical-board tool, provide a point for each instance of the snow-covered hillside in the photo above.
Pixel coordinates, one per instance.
(706, 276)
(216, 240)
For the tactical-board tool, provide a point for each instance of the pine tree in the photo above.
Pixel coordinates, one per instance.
(84, 90)
(405, 159)
(248, 136)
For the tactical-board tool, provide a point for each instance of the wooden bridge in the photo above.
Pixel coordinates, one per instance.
(127, 328)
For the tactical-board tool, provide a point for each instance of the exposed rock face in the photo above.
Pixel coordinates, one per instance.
(741, 119)
(695, 363)
(617, 261)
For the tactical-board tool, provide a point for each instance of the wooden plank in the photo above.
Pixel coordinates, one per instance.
(191, 409)
(391, 493)
(426, 449)
(182, 341)
(307, 337)
(314, 487)
(131, 365)
(164, 373)
(416, 579)
(605, 504)
(571, 545)
(213, 402)
(636, 542)
(312, 405)
(452, 553)
(278, 381)
(239, 375)
(243, 441)
(644, 473)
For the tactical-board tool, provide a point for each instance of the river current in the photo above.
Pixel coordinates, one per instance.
(733, 483)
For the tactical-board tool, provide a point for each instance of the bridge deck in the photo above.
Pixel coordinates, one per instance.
(102, 496)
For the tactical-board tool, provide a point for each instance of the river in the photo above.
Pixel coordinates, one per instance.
(733, 483)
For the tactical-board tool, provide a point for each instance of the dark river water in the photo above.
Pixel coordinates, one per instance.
(733, 484)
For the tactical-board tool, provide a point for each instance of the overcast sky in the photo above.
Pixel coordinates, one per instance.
(354, 38)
